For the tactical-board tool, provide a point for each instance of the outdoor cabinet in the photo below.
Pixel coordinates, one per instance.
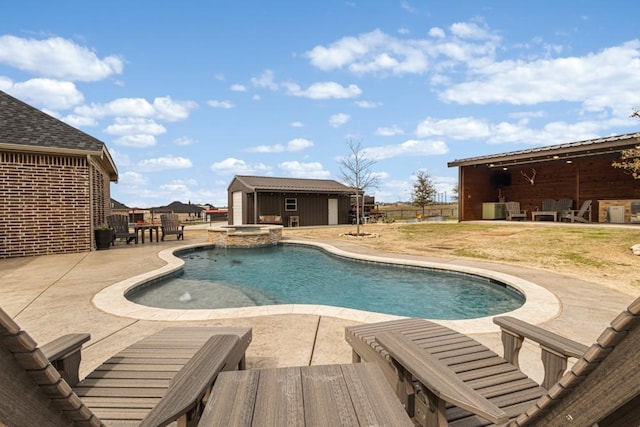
(494, 211)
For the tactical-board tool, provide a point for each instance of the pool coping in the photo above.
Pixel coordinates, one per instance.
(540, 306)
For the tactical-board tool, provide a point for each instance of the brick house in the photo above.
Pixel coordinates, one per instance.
(54, 183)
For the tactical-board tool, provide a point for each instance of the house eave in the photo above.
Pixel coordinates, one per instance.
(102, 156)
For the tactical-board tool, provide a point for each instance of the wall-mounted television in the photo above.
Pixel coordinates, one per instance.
(501, 179)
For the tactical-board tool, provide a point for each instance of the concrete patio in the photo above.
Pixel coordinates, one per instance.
(52, 295)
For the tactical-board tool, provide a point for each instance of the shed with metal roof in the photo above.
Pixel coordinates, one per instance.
(289, 201)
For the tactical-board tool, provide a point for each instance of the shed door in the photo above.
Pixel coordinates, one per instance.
(333, 211)
(237, 207)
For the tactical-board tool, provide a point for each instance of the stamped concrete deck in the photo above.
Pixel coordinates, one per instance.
(53, 295)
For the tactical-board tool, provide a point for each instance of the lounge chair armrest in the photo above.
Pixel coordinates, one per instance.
(187, 390)
(64, 353)
(547, 339)
(555, 349)
(439, 382)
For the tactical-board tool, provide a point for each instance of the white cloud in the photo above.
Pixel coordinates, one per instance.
(131, 178)
(46, 93)
(134, 126)
(471, 30)
(598, 81)
(389, 131)
(184, 141)
(231, 166)
(304, 170)
(136, 141)
(238, 88)
(373, 52)
(220, 104)
(379, 53)
(323, 90)
(297, 144)
(368, 104)
(265, 80)
(437, 32)
(172, 111)
(406, 6)
(164, 163)
(162, 108)
(79, 121)
(458, 128)
(297, 124)
(411, 148)
(57, 57)
(339, 119)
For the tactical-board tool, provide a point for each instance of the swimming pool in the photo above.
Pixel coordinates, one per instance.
(294, 274)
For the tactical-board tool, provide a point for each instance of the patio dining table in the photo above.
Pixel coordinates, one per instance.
(143, 227)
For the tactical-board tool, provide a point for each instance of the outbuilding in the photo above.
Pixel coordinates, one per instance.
(578, 171)
(288, 201)
(54, 183)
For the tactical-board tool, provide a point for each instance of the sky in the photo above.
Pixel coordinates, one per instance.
(188, 94)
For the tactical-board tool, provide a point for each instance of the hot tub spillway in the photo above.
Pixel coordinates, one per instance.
(245, 235)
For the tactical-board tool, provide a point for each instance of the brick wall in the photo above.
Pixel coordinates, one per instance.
(44, 204)
(101, 196)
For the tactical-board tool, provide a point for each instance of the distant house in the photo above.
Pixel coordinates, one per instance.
(54, 183)
(134, 214)
(578, 171)
(185, 211)
(256, 199)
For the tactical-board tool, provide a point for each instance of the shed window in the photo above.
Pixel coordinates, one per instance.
(290, 204)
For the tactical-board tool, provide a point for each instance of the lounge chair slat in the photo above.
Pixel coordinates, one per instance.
(271, 406)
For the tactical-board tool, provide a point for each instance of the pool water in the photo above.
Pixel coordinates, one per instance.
(294, 274)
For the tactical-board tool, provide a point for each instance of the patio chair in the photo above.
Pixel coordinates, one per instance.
(514, 212)
(578, 215)
(153, 382)
(549, 205)
(563, 205)
(120, 225)
(171, 225)
(443, 376)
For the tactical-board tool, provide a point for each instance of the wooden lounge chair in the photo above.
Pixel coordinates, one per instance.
(446, 378)
(120, 225)
(171, 225)
(158, 380)
(578, 215)
(514, 212)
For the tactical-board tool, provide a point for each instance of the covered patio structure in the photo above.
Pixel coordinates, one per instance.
(578, 171)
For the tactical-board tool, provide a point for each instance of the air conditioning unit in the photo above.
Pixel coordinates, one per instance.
(616, 214)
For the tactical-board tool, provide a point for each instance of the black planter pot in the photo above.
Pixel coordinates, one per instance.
(103, 239)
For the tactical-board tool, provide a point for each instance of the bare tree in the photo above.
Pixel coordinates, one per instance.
(356, 172)
(630, 158)
(423, 191)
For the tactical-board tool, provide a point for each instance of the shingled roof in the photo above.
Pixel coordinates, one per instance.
(23, 127)
(265, 183)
